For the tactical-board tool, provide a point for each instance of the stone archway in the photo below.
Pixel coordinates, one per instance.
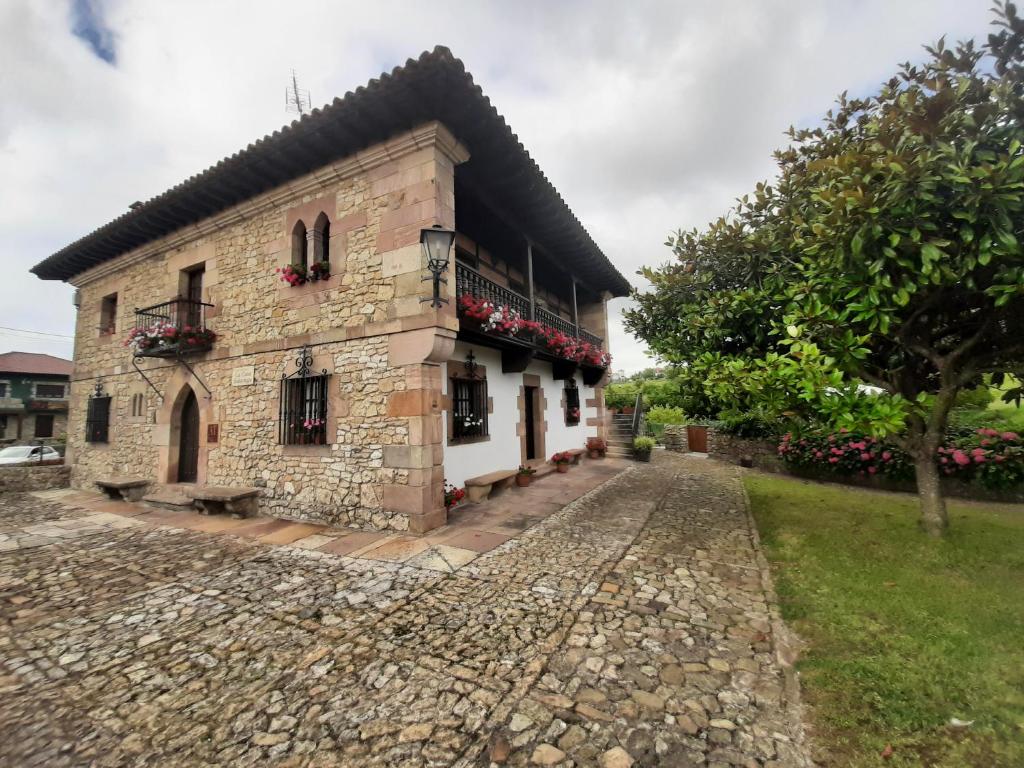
(184, 394)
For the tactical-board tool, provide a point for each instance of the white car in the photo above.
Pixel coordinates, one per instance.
(26, 454)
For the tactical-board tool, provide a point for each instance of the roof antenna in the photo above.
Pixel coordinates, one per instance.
(296, 100)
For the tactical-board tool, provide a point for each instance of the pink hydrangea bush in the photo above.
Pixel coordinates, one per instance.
(994, 458)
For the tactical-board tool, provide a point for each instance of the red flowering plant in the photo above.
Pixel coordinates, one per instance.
(293, 274)
(562, 457)
(502, 319)
(452, 495)
(165, 335)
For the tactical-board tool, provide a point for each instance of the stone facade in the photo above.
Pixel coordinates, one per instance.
(367, 327)
(381, 466)
(21, 479)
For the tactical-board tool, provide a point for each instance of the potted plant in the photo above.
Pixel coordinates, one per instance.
(642, 447)
(524, 476)
(561, 460)
(293, 274)
(319, 270)
(452, 495)
(596, 447)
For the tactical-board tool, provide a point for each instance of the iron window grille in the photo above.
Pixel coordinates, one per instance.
(572, 403)
(97, 417)
(303, 416)
(469, 408)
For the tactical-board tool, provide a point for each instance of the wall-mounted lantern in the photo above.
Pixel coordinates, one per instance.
(437, 245)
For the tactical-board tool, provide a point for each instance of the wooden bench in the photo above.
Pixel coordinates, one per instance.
(479, 488)
(126, 488)
(212, 499)
(576, 453)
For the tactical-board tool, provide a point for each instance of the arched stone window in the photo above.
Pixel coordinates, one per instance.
(300, 246)
(321, 237)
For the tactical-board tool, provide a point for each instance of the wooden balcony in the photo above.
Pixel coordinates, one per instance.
(171, 329)
(519, 349)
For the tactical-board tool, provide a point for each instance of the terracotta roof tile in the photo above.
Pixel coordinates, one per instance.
(36, 363)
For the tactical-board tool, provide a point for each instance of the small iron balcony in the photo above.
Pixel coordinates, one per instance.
(172, 329)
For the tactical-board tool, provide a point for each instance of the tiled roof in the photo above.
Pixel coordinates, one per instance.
(436, 86)
(35, 363)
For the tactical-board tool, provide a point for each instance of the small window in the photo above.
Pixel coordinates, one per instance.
(44, 425)
(322, 239)
(138, 405)
(97, 419)
(303, 417)
(572, 403)
(469, 408)
(108, 315)
(50, 391)
(4, 389)
(300, 246)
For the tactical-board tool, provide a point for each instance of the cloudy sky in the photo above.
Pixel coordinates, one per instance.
(647, 116)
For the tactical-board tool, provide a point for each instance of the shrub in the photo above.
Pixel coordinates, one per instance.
(643, 444)
(749, 426)
(992, 457)
(662, 414)
(620, 394)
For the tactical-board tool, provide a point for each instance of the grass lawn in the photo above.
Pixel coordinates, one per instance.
(902, 632)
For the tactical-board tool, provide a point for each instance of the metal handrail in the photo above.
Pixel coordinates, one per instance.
(638, 414)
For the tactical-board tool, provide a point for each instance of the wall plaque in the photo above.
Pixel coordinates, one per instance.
(243, 375)
(212, 433)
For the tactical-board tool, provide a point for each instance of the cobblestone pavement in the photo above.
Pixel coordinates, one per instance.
(630, 628)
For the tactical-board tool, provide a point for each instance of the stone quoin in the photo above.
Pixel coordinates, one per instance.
(282, 333)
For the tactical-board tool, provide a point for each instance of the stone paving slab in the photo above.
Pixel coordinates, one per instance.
(632, 627)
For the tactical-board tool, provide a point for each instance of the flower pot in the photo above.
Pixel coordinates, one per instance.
(642, 455)
(523, 480)
(594, 454)
(563, 468)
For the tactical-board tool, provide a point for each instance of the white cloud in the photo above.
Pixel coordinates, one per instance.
(648, 116)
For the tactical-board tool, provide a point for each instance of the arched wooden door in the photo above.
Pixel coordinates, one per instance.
(188, 444)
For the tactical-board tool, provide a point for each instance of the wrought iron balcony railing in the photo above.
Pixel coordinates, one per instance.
(469, 281)
(172, 328)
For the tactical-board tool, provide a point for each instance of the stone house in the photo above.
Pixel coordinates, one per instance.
(33, 398)
(283, 332)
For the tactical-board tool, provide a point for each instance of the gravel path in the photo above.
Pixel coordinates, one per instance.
(634, 627)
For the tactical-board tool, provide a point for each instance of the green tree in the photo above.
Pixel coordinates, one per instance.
(888, 253)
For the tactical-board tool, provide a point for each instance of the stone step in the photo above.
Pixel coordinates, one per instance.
(619, 453)
(168, 498)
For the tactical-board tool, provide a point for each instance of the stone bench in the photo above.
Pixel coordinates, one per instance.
(479, 488)
(213, 499)
(126, 488)
(576, 453)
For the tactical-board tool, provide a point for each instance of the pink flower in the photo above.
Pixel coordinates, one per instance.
(979, 459)
(844, 430)
(1010, 436)
(872, 470)
(865, 456)
(961, 458)
(944, 460)
(886, 455)
(818, 454)
(833, 460)
(977, 452)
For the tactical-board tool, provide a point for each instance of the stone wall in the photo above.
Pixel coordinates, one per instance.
(382, 466)
(34, 478)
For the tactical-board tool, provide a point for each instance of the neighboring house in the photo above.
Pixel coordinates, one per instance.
(348, 398)
(33, 398)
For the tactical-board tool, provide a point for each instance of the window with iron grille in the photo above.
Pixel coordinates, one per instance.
(572, 403)
(304, 410)
(469, 408)
(97, 420)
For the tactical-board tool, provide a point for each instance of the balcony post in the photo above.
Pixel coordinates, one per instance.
(529, 278)
(575, 309)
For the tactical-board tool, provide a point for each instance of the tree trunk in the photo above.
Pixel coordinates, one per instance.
(934, 520)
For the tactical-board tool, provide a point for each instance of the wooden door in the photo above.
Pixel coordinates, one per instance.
(697, 439)
(188, 444)
(529, 394)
